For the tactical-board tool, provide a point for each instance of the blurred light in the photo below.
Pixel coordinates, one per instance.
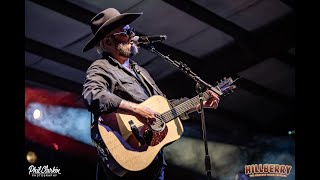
(36, 114)
(55, 146)
(291, 132)
(35, 111)
(31, 157)
(66, 121)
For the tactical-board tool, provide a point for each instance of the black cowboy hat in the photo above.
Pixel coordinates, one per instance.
(105, 22)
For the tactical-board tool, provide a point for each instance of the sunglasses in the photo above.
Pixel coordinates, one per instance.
(127, 32)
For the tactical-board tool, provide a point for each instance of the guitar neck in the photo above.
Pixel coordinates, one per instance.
(183, 107)
(225, 86)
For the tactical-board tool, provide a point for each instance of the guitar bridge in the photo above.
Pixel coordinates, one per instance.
(136, 132)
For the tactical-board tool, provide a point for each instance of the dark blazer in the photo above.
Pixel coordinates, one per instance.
(108, 82)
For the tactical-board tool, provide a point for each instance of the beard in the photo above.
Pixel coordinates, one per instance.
(127, 49)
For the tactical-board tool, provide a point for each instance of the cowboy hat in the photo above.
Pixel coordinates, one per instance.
(105, 22)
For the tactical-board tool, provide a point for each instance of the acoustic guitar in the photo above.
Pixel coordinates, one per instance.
(134, 145)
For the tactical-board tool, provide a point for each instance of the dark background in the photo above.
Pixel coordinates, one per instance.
(251, 39)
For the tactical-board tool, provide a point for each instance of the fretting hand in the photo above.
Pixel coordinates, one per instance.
(212, 102)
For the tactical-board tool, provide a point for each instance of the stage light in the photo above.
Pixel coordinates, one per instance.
(31, 157)
(36, 114)
(66, 121)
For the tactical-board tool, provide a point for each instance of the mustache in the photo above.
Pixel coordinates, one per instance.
(127, 49)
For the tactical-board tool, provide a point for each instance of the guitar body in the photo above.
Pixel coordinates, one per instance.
(130, 153)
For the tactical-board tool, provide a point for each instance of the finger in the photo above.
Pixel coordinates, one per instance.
(212, 103)
(217, 98)
(214, 95)
(204, 103)
(216, 104)
(152, 116)
(209, 104)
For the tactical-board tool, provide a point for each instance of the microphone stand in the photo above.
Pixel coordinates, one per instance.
(201, 86)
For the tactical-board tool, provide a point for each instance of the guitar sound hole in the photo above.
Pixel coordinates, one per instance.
(157, 125)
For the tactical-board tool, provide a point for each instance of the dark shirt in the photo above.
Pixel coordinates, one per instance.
(108, 83)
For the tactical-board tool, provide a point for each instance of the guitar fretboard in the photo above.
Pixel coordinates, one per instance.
(183, 107)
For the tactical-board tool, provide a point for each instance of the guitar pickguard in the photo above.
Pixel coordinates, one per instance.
(153, 138)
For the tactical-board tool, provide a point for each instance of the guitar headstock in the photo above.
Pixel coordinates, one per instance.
(226, 85)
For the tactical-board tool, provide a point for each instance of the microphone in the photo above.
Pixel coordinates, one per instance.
(148, 39)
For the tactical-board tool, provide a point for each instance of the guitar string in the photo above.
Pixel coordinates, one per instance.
(182, 107)
(168, 115)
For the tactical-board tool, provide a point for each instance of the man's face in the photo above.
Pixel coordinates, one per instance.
(120, 40)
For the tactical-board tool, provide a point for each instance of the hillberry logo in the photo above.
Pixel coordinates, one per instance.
(256, 170)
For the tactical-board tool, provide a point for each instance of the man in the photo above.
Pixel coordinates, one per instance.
(115, 83)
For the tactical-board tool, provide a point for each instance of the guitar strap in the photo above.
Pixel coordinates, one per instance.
(143, 79)
(94, 126)
(105, 160)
